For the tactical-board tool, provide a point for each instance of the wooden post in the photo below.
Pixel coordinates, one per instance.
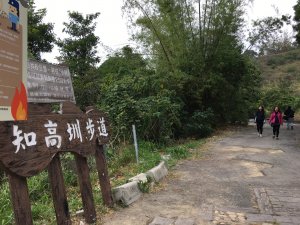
(103, 176)
(20, 199)
(86, 189)
(58, 192)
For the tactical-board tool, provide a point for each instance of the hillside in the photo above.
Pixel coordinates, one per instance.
(282, 66)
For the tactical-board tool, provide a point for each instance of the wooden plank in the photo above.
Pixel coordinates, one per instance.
(20, 199)
(103, 176)
(58, 192)
(70, 108)
(85, 189)
(38, 109)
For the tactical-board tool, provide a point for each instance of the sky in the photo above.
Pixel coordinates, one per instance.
(112, 26)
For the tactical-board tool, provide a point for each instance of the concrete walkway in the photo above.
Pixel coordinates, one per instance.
(243, 179)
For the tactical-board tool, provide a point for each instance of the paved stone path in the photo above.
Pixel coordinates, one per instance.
(243, 180)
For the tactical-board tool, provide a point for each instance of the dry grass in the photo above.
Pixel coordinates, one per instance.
(281, 66)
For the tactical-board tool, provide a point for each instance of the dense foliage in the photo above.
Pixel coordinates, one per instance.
(198, 56)
(281, 95)
(191, 74)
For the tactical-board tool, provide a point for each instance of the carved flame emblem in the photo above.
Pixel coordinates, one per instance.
(19, 104)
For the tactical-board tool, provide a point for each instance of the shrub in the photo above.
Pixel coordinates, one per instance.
(281, 95)
(276, 61)
(200, 124)
(145, 186)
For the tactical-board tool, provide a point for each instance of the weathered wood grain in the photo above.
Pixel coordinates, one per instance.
(103, 176)
(59, 192)
(85, 189)
(20, 199)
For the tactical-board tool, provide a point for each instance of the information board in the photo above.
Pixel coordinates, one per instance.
(48, 83)
(13, 60)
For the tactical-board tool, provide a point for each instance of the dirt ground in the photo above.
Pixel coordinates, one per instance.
(242, 179)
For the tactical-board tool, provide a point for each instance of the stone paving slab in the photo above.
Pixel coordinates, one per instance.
(263, 201)
(285, 202)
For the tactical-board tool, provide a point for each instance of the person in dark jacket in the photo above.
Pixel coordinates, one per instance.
(259, 120)
(289, 117)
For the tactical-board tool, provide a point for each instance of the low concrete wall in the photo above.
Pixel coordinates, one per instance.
(158, 172)
(130, 192)
(127, 193)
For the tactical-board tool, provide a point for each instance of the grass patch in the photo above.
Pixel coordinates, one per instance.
(6, 213)
(123, 166)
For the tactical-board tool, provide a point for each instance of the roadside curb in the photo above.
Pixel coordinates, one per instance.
(130, 192)
(158, 172)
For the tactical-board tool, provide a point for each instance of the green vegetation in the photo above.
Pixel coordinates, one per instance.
(189, 75)
(122, 166)
(6, 212)
(122, 161)
(281, 80)
(145, 186)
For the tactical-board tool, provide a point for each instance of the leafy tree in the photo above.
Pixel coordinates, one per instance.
(79, 50)
(125, 61)
(268, 35)
(41, 37)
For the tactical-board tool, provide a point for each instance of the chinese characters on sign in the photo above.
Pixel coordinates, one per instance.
(54, 139)
(13, 60)
(28, 147)
(29, 139)
(49, 83)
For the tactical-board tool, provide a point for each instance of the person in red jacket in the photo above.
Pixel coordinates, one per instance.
(275, 121)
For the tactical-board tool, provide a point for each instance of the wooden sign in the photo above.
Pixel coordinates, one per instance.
(29, 146)
(47, 83)
(13, 60)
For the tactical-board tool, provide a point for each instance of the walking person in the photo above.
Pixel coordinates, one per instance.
(289, 117)
(259, 120)
(275, 121)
